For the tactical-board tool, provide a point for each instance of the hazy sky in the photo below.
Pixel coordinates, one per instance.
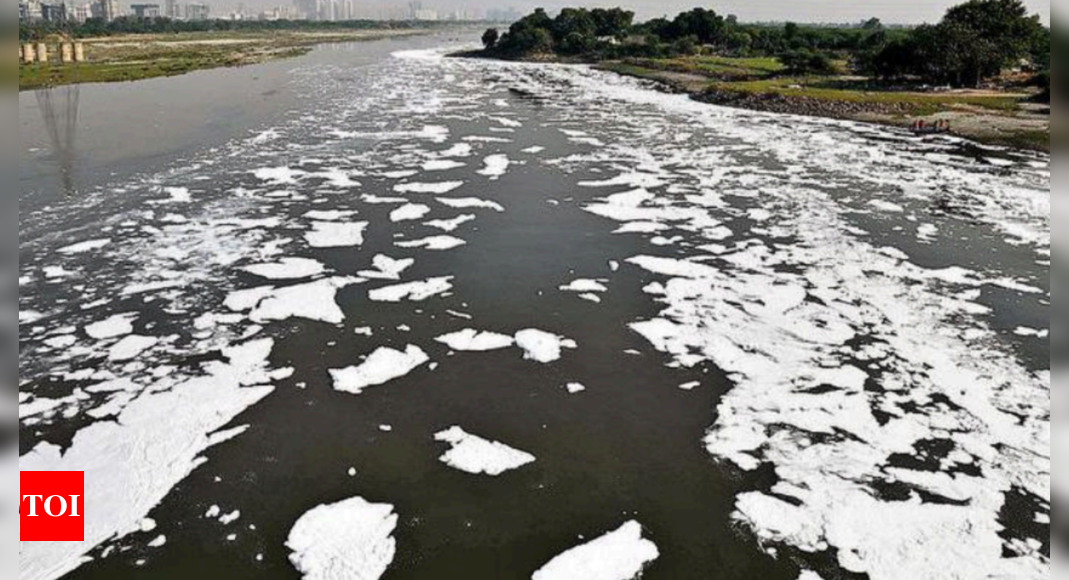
(890, 11)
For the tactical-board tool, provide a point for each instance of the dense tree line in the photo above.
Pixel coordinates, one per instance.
(974, 41)
(95, 27)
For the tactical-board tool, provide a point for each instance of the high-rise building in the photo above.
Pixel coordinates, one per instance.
(146, 10)
(29, 11)
(195, 12)
(170, 9)
(109, 10)
(54, 13)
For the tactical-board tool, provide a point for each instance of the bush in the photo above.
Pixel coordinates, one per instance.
(805, 62)
(490, 38)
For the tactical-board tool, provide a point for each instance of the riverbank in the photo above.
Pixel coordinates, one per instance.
(143, 56)
(1001, 118)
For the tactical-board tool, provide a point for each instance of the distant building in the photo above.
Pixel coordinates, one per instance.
(54, 13)
(81, 13)
(29, 11)
(109, 10)
(146, 10)
(195, 12)
(425, 14)
(172, 10)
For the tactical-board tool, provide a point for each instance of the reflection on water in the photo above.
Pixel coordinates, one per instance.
(59, 111)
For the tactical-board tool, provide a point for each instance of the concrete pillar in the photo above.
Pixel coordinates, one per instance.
(79, 52)
(66, 52)
(29, 54)
(42, 52)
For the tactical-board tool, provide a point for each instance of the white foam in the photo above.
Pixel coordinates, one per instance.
(329, 215)
(618, 555)
(159, 542)
(430, 188)
(452, 224)
(415, 291)
(227, 519)
(278, 175)
(348, 540)
(314, 301)
(287, 269)
(575, 388)
(541, 346)
(469, 202)
(84, 247)
(475, 455)
(433, 243)
(336, 235)
(441, 165)
(470, 339)
(407, 212)
(534, 150)
(382, 366)
(458, 150)
(131, 347)
(583, 285)
(495, 166)
(113, 327)
(387, 268)
(131, 464)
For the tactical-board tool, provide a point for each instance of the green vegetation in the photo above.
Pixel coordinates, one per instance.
(142, 56)
(825, 89)
(95, 27)
(974, 42)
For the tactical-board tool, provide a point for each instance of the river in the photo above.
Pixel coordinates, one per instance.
(711, 343)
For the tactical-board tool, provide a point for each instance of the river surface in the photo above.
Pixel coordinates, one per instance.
(254, 303)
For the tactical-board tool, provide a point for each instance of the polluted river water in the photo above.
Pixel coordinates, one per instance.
(377, 312)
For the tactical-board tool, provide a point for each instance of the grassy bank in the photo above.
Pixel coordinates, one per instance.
(137, 57)
(994, 117)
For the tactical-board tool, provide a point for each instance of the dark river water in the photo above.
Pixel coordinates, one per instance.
(731, 345)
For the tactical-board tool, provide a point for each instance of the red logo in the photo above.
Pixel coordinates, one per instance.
(51, 506)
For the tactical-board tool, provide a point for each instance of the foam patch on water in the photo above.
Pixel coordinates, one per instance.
(470, 339)
(387, 268)
(312, 301)
(439, 243)
(429, 188)
(408, 212)
(415, 291)
(336, 235)
(381, 367)
(132, 463)
(469, 202)
(287, 269)
(618, 555)
(475, 455)
(494, 166)
(130, 347)
(441, 165)
(348, 540)
(584, 285)
(450, 224)
(541, 346)
(84, 247)
(114, 326)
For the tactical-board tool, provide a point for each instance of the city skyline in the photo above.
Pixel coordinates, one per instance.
(809, 11)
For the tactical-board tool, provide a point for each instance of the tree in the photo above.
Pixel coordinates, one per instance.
(490, 38)
(988, 35)
(806, 62)
(872, 24)
(705, 25)
(615, 23)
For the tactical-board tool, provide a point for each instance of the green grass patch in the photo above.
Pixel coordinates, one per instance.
(716, 67)
(824, 88)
